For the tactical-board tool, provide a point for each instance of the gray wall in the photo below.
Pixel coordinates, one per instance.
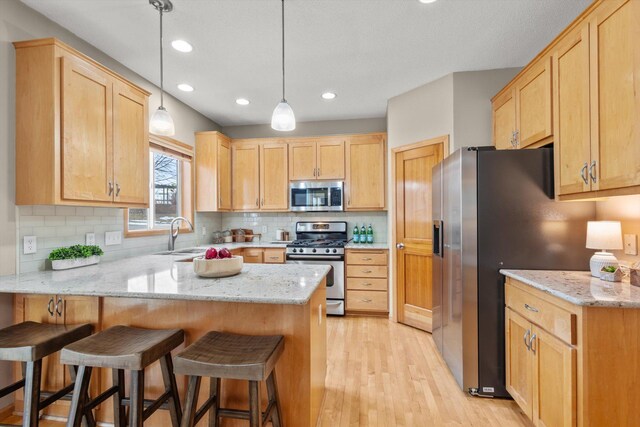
(329, 127)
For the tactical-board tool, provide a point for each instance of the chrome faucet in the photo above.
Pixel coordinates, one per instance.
(174, 235)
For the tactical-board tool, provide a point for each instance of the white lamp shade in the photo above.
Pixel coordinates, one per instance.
(161, 123)
(283, 118)
(604, 235)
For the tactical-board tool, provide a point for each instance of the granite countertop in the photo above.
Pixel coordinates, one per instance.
(579, 287)
(169, 277)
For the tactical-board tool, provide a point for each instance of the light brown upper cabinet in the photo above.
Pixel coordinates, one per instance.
(81, 130)
(213, 172)
(274, 181)
(522, 113)
(365, 184)
(245, 161)
(323, 159)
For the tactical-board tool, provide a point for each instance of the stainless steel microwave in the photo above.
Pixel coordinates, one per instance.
(318, 196)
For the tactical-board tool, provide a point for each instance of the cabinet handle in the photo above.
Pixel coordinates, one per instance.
(367, 271)
(274, 257)
(257, 201)
(110, 188)
(527, 343)
(367, 284)
(349, 201)
(59, 304)
(367, 300)
(532, 342)
(319, 172)
(219, 200)
(314, 172)
(513, 139)
(366, 259)
(263, 201)
(517, 134)
(49, 307)
(583, 173)
(592, 171)
(531, 308)
(117, 189)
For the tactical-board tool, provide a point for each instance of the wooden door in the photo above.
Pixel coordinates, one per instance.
(572, 135)
(302, 161)
(519, 361)
(130, 146)
(615, 95)
(554, 377)
(533, 104)
(274, 180)
(86, 158)
(224, 174)
(365, 182)
(504, 121)
(414, 233)
(246, 176)
(330, 159)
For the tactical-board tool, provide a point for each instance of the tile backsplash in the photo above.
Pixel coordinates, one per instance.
(287, 221)
(56, 226)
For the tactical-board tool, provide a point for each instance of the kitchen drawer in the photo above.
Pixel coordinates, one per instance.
(366, 284)
(367, 257)
(367, 301)
(274, 256)
(367, 271)
(554, 319)
(253, 256)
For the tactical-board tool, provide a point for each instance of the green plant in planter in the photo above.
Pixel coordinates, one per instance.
(75, 251)
(609, 269)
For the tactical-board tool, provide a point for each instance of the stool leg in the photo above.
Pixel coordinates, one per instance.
(32, 376)
(255, 413)
(166, 364)
(119, 414)
(214, 390)
(89, 420)
(136, 411)
(191, 401)
(83, 376)
(272, 391)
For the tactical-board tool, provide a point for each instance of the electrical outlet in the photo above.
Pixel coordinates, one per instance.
(30, 245)
(265, 229)
(204, 231)
(631, 244)
(90, 239)
(112, 238)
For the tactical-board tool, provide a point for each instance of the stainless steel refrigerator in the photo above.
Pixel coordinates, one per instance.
(494, 209)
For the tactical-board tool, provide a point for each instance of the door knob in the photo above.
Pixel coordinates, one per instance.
(400, 246)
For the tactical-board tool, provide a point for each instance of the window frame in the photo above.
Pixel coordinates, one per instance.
(185, 154)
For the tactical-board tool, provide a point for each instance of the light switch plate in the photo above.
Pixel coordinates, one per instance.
(112, 238)
(631, 244)
(30, 245)
(90, 239)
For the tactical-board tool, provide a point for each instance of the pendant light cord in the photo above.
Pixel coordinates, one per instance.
(283, 97)
(161, 62)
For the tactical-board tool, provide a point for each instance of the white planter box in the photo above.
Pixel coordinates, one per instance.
(65, 264)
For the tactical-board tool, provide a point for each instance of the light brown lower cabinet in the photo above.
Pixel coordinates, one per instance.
(571, 365)
(367, 281)
(261, 255)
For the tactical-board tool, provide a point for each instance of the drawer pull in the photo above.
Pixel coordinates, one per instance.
(367, 271)
(49, 306)
(367, 259)
(366, 300)
(367, 284)
(532, 342)
(527, 342)
(274, 257)
(531, 308)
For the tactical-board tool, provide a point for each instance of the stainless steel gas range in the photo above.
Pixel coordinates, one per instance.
(323, 243)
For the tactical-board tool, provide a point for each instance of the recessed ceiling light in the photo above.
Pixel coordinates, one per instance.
(181, 46)
(328, 95)
(242, 101)
(427, 1)
(185, 87)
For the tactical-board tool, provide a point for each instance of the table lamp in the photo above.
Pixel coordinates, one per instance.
(603, 235)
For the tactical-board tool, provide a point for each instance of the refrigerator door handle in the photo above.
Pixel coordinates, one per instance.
(438, 248)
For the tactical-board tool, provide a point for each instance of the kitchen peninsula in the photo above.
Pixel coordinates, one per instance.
(163, 292)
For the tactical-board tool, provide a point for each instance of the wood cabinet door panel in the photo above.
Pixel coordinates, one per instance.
(224, 175)
(519, 361)
(330, 160)
(274, 256)
(365, 178)
(274, 180)
(555, 379)
(533, 104)
(375, 301)
(130, 146)
(615, 92)
(302, 161)
(572, 135)
(246, 176)
(86, 158)
(504, 121)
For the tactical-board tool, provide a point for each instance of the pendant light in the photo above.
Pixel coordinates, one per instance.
(161, 122)
(283, 118)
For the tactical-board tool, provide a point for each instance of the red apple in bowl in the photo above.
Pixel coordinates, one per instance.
(224, 253)
(211, 253)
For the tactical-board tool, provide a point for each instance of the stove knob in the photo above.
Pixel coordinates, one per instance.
(326, 250)
(294, 250)
(314, 251)
(301, 250)
(335, 251)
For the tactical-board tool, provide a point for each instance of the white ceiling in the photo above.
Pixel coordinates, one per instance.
(367, 51)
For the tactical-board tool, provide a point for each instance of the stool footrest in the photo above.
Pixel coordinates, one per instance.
(11, 388)
(53, 397)
(159, 403)
(204, 408)
(101, 398)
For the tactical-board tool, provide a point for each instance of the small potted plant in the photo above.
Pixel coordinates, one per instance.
(611, 274)
(75, 256)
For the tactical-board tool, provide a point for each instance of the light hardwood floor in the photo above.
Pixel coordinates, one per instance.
(384, 374)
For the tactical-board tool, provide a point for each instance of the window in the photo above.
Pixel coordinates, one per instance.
(170, 189)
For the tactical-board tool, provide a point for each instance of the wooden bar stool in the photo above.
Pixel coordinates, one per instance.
(123, 348)
(29, 343)
(219, 355)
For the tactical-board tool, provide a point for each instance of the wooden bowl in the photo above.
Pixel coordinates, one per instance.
(218, 267)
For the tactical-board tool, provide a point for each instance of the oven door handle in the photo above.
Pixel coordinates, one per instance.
(333, 303)
(318, 258)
